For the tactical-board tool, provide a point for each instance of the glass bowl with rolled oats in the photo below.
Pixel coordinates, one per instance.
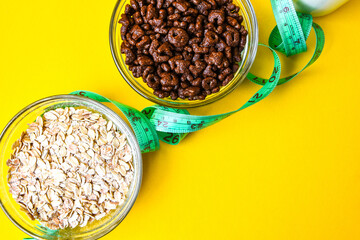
(71, 169)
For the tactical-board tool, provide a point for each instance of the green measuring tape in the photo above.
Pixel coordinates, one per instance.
(172, 125)
(290, 35)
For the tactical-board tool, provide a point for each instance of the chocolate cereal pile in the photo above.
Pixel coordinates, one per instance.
(183, 49)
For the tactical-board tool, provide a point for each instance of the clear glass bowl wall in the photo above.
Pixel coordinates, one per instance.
(12, 132)
(248, 56)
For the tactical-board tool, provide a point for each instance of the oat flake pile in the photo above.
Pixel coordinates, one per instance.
(69, 168)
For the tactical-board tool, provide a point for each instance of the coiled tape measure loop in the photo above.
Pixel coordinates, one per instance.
(171, 125)
(290, 35)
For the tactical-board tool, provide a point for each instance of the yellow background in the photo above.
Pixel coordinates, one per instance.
(286, 168)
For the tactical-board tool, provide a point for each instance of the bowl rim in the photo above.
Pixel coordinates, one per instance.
(191, 104)
(136, 148)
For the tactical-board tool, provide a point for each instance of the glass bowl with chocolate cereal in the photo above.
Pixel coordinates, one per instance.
(185, 53)
(71, 169)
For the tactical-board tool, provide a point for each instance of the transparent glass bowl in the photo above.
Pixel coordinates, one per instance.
(12, 132)
(140, 87)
